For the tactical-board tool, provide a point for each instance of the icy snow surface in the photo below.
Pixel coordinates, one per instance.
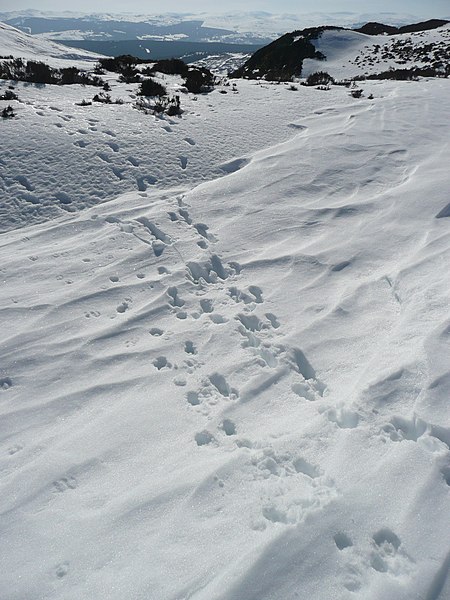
(236, 390)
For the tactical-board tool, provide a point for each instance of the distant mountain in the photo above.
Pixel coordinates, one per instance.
(379, 28)
(348, 53)
(113, 29)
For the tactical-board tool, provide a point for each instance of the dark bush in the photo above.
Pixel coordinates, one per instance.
(408, 74)
(130, 74)
(9, 95)
(102, 97)
(356, 93)
(8, 112)
(38, 72)
(170, 66)
(118, 63)
(150, 87)
(319, 78)
(198, 80)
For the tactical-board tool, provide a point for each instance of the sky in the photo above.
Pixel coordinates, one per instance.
(436, 8)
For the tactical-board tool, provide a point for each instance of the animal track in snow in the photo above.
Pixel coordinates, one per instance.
(250, 322)
(175, 299)
(400, 429)
(294, 487)
(218, 319)
(228, 427)
(221, 385)
(134, 161)
(81, 144)
(193, 398)
(123, 307)
(144, 180)
(342, 541)
(155, 331)
(5, 383)
(387, 554)
(61, 570)
(206, 305)
(65, 483)
(343, 418)
(189, 347)
(14, 449)
(208, 272)
(161, 363)
(114, 147)
(204, 438)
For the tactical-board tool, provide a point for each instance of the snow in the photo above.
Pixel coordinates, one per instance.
(343, 49)
(21, 45)
(231, 387)
(59, 156)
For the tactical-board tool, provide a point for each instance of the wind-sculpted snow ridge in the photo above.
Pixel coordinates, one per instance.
(239, 392)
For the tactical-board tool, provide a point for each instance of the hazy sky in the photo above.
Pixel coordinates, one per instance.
(437, 8)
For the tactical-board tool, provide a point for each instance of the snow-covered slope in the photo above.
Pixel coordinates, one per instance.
(59, 157)
(239, 392)
(349, 53)
(21, 45)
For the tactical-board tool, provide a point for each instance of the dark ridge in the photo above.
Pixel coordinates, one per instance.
(377, 29)
(424, 26)
(283, 59)
(381, 29)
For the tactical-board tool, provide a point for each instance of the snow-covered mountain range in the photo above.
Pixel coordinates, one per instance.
(225, 341)
(241, 27)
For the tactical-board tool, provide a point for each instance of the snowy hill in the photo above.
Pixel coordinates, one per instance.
(350, 53)
(21, 45)
(345, 53)
(224, 349)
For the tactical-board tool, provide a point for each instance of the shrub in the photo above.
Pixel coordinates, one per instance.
(170, 66)
(38, 72)
(9, 95)
(199, 80)
(102, 97)
(8, 112)
(162, 104)
(319, 78)
(356, 93)
(150, 87)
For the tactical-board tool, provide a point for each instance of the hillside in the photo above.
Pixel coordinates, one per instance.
(21, 45)
(346, 53)
(224, 348)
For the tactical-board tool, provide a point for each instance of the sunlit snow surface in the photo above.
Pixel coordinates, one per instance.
(236, 390)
